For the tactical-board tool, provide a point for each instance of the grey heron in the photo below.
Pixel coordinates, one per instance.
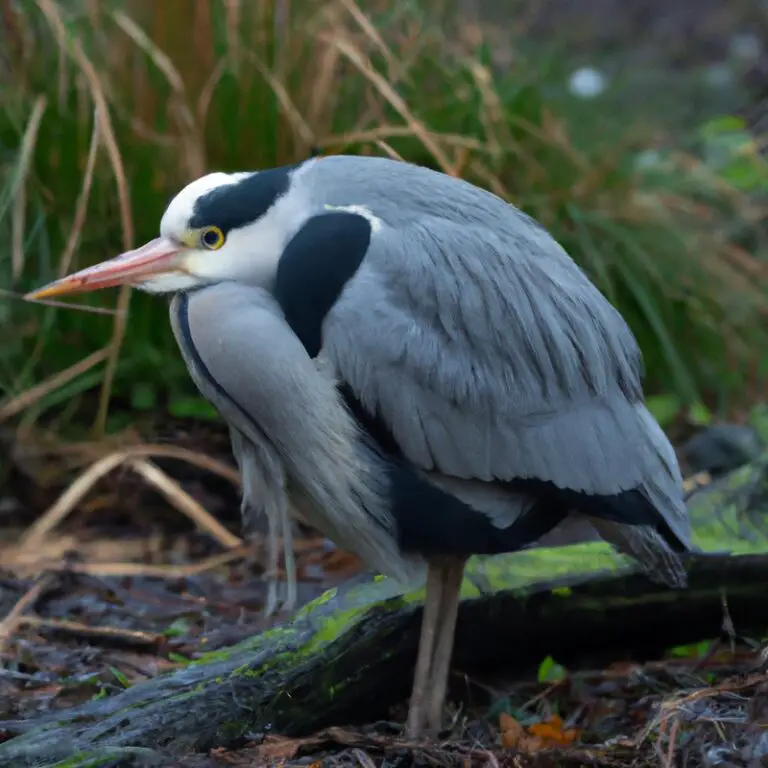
(418, 365)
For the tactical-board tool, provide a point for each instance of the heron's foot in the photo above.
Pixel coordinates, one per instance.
(289, 559)
(273, 602)
(425, 720)
(291, 592)
(279, 600)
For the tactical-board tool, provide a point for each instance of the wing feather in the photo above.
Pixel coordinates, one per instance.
(491, 356)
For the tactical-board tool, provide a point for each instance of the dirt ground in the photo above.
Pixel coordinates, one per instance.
(125, 587)
(96, 624)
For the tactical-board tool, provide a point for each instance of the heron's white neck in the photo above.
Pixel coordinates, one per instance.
(170, 282)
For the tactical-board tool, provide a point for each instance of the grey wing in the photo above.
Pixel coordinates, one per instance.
(492, 357)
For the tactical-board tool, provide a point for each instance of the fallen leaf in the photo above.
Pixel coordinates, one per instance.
(338, 560)
(276, 747)
(514, 736)
(544, 735)
(511, 731)
(552, 733)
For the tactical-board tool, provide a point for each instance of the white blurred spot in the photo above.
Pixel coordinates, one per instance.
(746, 46)
(586, 83)
(719, 75)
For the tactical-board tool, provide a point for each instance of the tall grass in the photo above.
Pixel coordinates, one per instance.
(108, 108)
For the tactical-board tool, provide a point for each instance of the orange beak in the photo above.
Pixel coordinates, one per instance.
(156, 257)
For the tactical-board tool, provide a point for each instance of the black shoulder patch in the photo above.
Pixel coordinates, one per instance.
(314, 268)
(235, 205)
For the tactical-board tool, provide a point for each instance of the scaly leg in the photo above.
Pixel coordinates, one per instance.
(272, 561)
(260, 530)
(421, 675)
(291, 590)
(453, 573)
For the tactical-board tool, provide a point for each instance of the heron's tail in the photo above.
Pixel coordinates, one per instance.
(648, 547)
(657, 548)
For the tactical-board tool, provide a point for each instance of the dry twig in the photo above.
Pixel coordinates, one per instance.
(11, 622)
(133, 636)
(136, 458)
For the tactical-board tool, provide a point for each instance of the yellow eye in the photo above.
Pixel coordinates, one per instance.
(211, 238)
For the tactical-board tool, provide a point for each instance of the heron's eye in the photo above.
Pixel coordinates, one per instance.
(212, 238)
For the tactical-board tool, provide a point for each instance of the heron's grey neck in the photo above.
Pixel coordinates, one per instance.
(247, 362)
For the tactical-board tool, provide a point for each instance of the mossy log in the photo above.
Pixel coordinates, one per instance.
(349, 654)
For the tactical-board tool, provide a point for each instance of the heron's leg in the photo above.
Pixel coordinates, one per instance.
(258, 528)
(453, 573)
(421, 675)
(291, 594)
(272, 560)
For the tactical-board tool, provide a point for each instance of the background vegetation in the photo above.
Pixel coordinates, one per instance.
(108, 108)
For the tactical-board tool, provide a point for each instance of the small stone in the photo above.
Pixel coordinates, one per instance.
(721, 448)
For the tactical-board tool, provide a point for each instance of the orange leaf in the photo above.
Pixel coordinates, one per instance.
(552, 733)
(556, 721)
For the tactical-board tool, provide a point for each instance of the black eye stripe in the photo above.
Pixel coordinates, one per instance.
(236, 205)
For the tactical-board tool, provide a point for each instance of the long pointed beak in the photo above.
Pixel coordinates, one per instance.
(157, 256)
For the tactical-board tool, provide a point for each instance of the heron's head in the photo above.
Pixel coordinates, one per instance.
(223, 226)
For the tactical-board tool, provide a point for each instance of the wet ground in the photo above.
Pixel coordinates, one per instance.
(76, 631)
(85, 629)
(122, 586)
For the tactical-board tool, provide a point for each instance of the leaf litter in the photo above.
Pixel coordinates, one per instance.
(672, 712)
(124, 589)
